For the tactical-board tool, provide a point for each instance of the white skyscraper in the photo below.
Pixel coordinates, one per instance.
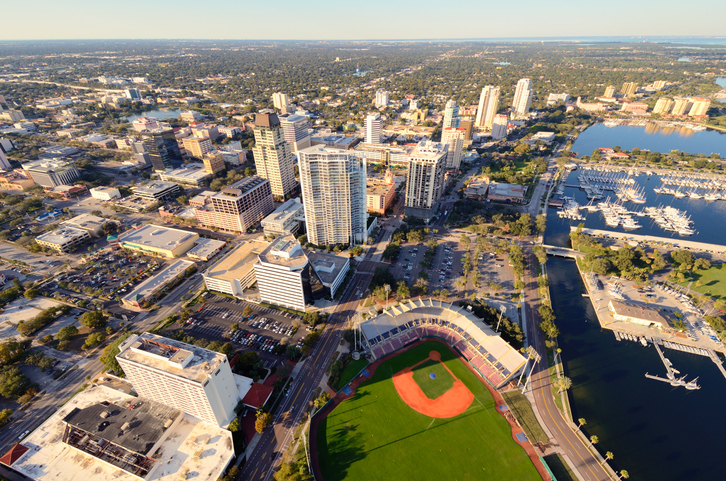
(426, 172)
(454, 138)
(522, 98)
(381, 99)
(334, 195)
(295, 131)
(374, 125)
(280, 101)
(488, 105)
(499, 127)
(451, 115)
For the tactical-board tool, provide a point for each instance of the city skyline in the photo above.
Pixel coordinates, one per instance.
(52, 20)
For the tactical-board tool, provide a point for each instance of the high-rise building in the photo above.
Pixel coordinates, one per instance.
(451, 115)
(699, 107)
(213, 163)
(663, 106)
(145, 123)
(51, 172)
(197, 147)
(629, 88)
(659, 84)
(4, 162)
(488, 105)
(374, 125)
(522, 98)
(610, 91)
(162, 147)
(681, 106)
(273, 157)
(239, 206)
(454, 138)
(425, 185)
(333, 184)
(186, 377)
(381, 99)
(295, 131)
(282, 103)
(499, 128)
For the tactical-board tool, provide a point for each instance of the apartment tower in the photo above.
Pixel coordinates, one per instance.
(522, 98)
(426, 171)
(487, 109)
(273, 157)
(451, 115)
(374, 125)
(454, 138)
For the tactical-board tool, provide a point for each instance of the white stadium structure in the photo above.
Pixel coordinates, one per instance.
(494, 359)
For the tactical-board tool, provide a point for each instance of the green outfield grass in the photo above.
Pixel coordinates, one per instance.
(375, 436)
(433, 388)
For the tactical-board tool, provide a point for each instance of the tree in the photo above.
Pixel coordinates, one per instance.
(601, 266)
(701, 264)
(247, 311)
(12, 382)
(10, 351)
(562, 383)
(464, 241)
(31, 293)
(66, 332)
(542, 282)
(594, 439)
(540, 224)
(519, 285)
(293, 353)
(683, 258)
(263, 421)
(541, 254)
(322, 400)
(581, 422)
(402, 290)
(234, 426)
(311, 318)
(608, 456)
(5, 416)
(93, 319)
(108, 358)
(93, 340)
(624, 474)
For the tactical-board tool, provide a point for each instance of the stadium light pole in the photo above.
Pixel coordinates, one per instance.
(387, 288)
(502, 310)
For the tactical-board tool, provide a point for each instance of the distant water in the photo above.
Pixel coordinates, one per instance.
(722, 82)
(159, 114)
(652, 137)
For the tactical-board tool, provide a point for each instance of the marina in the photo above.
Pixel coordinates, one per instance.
(671, 373)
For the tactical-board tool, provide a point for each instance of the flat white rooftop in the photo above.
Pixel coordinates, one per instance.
(192, 173)
(156, 187)
(86, 222)
(62, 235)
(239, 262)
(205, 248)
(152, 284)
(157, 237)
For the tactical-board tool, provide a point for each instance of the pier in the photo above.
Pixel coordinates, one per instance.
(672, 380)
(717, 361)
(666, 241)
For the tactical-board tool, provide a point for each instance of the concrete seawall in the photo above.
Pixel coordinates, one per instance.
(674, 242)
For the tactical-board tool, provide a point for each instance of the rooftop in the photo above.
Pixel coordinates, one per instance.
(378, 187)
(156, 236)
(205, 248)
(154, 187)
(639, 311)
(152, 284)
(241, 187)
(172, 357)
(428, 150)
(239, 262)
(62, 235)
(48, 165)
(284, 251)
(86, 222)
(290, 208)
(508, 190)
(327, 266)
(192, 173)
(266, 120)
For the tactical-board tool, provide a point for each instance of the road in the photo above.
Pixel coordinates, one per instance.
(585, 463)
(266, 456)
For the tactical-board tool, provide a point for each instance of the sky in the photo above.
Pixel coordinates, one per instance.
(362, 20)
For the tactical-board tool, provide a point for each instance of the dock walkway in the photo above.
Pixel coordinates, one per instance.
(673, 241)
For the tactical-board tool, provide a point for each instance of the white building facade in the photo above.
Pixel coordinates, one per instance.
(454, 138)
(487, 109)
(522, 98)
(374, 125)
(427, 167)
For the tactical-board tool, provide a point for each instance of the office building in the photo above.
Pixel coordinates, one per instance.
(146, 293)
(487, 109)
(699, 106)
(92, 224)
(213, 163)
(334, 195)
(454, 138)
(451, 115)
(105, 193)
(381, 99)
(629, 89)
(681, 106)
(145, 123)
(158, 241)
(273, 158)
(426, 171)
(554, 99)
(522, 98)
(379, 195)
(235, 272)
(295, 131)
(201, 129)
(162, 147)
(499, 127)
(238, 207)
(374, 125)
(194, 380)
(636, 108)
(282, 103)
(63, 240)
(51, 172)
(195, 175)
(190, 116)
(197, 147)
(157, 190)
(609, 91)
(133, 94)
(285, 220)
(663, 106)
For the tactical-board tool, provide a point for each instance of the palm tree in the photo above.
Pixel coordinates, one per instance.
(581, 422)
(563, 383)
(624, 474)
(608, 456)
(594, 439)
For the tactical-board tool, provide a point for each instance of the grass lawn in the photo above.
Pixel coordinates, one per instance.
(433, 388)
(713, 281)
(353, 368)
(375, 436)
(522, 410)
(559, 468)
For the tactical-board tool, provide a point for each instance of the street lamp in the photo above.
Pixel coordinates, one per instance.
(387, 288)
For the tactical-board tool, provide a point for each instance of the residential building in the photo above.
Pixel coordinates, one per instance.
(508, 193)
(239, 206)
(90, 223)
(374, 124)
(681, 106)
(522, 98)
(487, 109)
(213, 163)
(636, 108)
(381, 99)
(609, 91)
(699, 107)
(426, 173)
(454, 138)
(333, 186)
(273, 158)
(63, 240)
(162, 147)
(499, 127)
(557, 98)
(51, 172)
(335, 141)
(158, 241)
(386, 154)
(188, 174)
(282, 103)
(200, 129)
(451, 115)
(629, 89)
(295, 131)
(235, 272)
(285, 220)
(145, 123)
(659, 84)
(190, 116)
(408, 132)
(197, 147)
(379, 195)
(157, 190)
(192, 379)
(663, 106)
(468, 126)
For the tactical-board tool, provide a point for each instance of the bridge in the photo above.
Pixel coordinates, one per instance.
(562, 252)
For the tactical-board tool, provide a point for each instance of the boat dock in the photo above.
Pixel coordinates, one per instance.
(672, 379)
(671, 241)
(717, 361)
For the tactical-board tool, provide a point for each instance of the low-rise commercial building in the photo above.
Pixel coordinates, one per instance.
(15, 180)
(205, 249)
(190, 174)
(509, 193)
(158, 241)
(88, 222)
(66, 192)
(235, 273)
(158, 190)
(379, 195)
(51, 172)
(477, 189)
(638, 313)
(147, 290)
(105, 193)
(286, 219)
(64, 240)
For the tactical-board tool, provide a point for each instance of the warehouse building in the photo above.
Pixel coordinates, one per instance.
(158, 241)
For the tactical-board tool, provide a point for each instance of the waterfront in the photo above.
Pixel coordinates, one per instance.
(159, 114)
(653, 137)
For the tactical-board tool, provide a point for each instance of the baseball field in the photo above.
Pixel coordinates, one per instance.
(446, 429)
